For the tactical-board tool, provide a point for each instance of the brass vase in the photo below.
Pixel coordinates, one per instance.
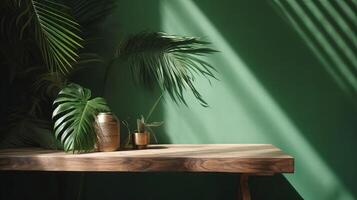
(141, 140)
(108, 132)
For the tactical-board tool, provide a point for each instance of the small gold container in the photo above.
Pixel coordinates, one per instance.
(108, 132)
(141, 140)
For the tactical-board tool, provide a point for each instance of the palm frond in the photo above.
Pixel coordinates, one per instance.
(48, 84)
(88, 12)
(11, 3)
(22, 130)
(57, 34)
(33, 91)
(16, 52)
(86, 60)
(74, 118)
(167, 60)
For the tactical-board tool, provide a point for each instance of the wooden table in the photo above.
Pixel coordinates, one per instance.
(245, 159)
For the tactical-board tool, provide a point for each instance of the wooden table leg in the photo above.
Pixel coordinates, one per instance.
(244, 193)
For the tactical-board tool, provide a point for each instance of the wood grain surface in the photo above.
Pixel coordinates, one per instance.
(231, 158)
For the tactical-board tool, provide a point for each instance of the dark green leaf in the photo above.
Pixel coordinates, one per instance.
(74, 118)
(57, 34)
(167, 60)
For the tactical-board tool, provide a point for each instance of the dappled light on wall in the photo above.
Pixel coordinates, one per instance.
(241, 109)
(329, 29)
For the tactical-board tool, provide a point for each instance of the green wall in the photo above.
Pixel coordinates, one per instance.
(272, 89)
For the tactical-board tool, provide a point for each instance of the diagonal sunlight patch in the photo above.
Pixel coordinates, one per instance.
(241, 111)
(316, 50)
(329, 36)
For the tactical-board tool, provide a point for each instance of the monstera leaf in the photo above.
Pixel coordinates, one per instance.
(74, 118)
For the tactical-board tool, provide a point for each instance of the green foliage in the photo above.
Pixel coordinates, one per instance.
(47, 32)
(143, 126)
(41, 49)
(74, 118)
(167, 60)
(27, 117)
(25, 131)
(88, 12)
(37, 88)
(57, 34)
(44, 42)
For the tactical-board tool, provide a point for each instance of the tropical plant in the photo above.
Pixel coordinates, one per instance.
(51, 27)
(26, 131)
(170, 61)
(74, 117)
(53, 35)
(43, 42)
(55, 31)
(143, 125)
(29, 108)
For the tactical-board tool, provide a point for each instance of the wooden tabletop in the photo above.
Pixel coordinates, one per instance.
(232, 158)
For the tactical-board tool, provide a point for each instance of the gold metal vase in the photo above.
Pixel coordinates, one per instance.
(108, 132)
(141, 140)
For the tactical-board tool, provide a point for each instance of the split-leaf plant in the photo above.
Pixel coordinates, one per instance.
(52, 37)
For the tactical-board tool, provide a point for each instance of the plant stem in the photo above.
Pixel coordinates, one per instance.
(154, 107)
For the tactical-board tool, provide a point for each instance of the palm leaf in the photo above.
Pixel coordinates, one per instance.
(16, 52)
(88, 12)
(47, 85)
(57, 34)
(167, 60)
(25, 131)
(74, 117)
(86, 60)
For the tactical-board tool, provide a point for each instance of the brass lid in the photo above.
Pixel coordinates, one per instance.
(106, 117)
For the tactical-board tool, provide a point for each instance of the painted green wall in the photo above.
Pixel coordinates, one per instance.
(271, 90)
